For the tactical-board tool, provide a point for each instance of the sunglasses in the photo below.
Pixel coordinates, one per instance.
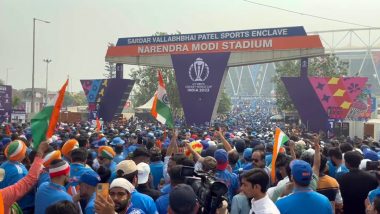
(256, 160)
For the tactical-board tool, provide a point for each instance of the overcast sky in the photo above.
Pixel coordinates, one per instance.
(77, 37)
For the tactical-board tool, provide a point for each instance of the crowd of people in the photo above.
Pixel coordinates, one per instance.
(139, 167)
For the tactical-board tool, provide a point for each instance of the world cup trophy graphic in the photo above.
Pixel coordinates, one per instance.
(199, 69)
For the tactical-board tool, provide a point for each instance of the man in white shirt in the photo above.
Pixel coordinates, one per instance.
(255, 185)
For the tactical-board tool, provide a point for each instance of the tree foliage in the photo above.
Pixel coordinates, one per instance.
(16, 101)
(225, 104)
(2, 82)
(326, 66)
(74, 99)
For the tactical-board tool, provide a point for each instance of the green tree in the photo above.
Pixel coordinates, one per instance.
(79, 99)
(110, 67)
(16, 101)
(2, 82)
(326, 66)
(224, 103)
(68, 100)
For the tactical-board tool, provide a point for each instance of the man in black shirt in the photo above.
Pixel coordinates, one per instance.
(355, 185)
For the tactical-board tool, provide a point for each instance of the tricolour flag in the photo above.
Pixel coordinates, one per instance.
(98, 125)
(161, 108)
(44, 122)
(280, 138)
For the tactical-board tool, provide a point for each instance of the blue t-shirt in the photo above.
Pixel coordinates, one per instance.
(77, 170)
(166, 189)
(44, 177)
(268, 159)
(144, 202)
(332, 168)
(301, 202)
(341, 170)
(372, 194)
(48, 194)
(90, 207)
(133, 210)
(118, 158)
(248, 166)
(15, 171)
(231, 180)
(112, 166)
(162, 204)
(157, 171)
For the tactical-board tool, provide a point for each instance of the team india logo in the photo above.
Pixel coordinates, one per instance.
(199, 70)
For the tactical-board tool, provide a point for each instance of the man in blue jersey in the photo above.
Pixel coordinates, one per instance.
(303, 199)
(14, 171)
(156, 166)
(223, 175)
(54, 191)
(176, 178)
(87, 183)
(77, 166)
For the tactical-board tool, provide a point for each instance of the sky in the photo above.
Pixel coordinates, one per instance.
(77, 37)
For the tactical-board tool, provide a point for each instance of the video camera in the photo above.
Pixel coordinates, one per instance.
(209, 191)
(372, 165)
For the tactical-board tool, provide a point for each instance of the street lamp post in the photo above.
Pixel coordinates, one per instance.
(34, 44)
(47, 75)
(6, 78)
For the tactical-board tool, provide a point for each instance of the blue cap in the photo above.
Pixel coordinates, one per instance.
(301, 172)
(247, 154)
(90, 177)
(204, 144)
(117, 141)
(221, 158)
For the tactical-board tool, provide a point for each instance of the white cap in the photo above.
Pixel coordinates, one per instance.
(122, 183)
(143, 172)
(211, 143)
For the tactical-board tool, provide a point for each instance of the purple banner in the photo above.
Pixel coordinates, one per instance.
(106, 97)
(5, 103)
(199, 77)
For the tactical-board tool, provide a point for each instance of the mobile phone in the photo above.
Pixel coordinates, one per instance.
(102, 189)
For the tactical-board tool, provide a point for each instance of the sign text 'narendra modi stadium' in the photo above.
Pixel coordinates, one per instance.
(228, 41)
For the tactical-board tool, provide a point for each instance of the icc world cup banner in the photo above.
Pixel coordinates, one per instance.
(199, 77)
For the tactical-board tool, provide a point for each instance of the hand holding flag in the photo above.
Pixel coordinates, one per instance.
(280, 138)
(45, 121)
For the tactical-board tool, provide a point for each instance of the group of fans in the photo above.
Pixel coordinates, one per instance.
(138, 167)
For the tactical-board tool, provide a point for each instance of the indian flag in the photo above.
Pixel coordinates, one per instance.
(161, 108)
(44, 122)
(280, 138)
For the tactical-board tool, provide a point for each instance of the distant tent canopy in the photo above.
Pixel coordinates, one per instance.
(146, 107)
(277, 117)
